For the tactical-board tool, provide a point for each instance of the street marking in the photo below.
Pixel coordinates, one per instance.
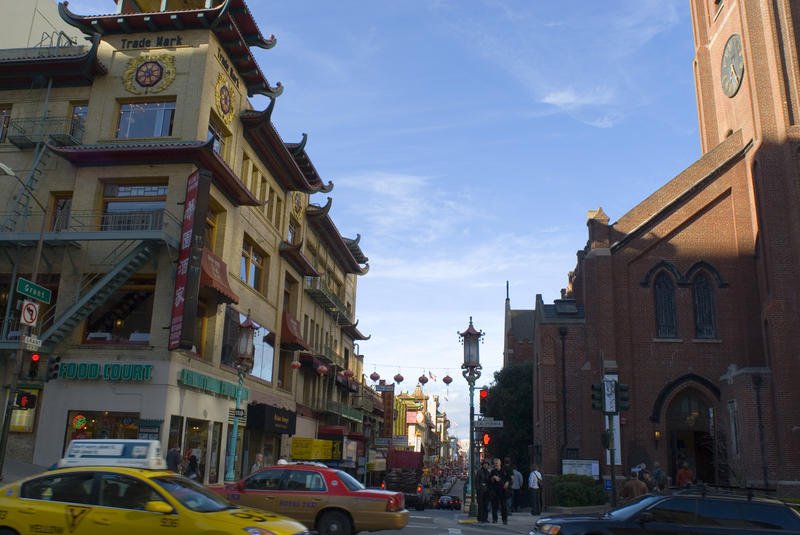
(421, 517)
(454, 531)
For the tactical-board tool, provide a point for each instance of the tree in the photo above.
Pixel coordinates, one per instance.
(511, 400)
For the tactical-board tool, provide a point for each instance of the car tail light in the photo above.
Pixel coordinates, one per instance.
(383, 485)
(395, 503)
(419, 488)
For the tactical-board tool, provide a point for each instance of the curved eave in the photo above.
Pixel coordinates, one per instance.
(231, 21)
(321, 222)
(353, 332)
(200, 153)
(295, 257)
(273, 152)
(358, 254)
(65, 70)
(298, 152)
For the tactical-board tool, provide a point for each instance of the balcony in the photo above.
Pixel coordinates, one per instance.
(328, 354)
(27, 132)
(324, 297)
(345, 411)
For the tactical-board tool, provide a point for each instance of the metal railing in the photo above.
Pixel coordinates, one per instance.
(316, 287)
(345, 410)
(64, 130)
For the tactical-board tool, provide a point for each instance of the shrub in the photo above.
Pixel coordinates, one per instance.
(572, 490)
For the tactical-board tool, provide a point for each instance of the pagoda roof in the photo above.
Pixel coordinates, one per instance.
(231, 21)
(358, 254)
(353, 332)
(321, 222)
(20, 68)
(200, 153)
(298, 152)
(295, 257)
(277, 155)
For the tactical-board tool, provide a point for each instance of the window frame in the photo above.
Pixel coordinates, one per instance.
(247, 263)
(664, 306)
(705, 323)
(5, 121)
(169, 103)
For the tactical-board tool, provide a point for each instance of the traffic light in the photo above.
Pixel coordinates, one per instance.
(25, 400)
(605, 438)
(33, 366)
(53, 366)
(486, 439)
(484, 397)
(597, 396)
(623, 397)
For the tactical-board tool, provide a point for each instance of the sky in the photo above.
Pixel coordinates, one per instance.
(466, 140)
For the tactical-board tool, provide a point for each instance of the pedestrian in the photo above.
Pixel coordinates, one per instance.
(685, 476)
(497, 491)
(508, 470)
(258, 464)
(535, 481)
(192, 469)
(659, 476)
(634, 486)
(652, 485)
(482, 490)
(174, 459)
(516, 488)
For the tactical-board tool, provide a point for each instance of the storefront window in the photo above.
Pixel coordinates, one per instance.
(99, 424)
(125, 316)
(196, 442)
(214, 466)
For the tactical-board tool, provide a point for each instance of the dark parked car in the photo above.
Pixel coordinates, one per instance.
(456, 503)
(684, 512)
(445, 502)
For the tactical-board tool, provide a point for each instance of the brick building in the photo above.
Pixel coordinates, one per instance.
(691, 297)
(518, 334)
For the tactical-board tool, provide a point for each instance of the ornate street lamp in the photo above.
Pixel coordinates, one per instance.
(471, 370)
(243, 366)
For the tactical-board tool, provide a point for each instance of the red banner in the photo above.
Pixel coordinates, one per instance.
(184, 252)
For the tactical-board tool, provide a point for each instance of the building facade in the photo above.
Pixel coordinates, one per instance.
(691, 297)
(191, 273)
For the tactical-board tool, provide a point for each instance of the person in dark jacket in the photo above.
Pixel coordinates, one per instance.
(482, 480)
(497, 491)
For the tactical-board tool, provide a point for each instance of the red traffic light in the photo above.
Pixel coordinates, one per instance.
(484, 393)
(35, 357)
(486, 439)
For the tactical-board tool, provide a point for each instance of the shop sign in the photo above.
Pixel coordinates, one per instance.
(210, 384)
(271, 419)
(311, 449)
(109, 371)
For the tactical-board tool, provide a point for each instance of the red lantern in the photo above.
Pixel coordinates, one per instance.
(322, 369)
(398, 378)
(295, 364)
(375, 376)
(447, 380)
(422, 379)
(348, 373)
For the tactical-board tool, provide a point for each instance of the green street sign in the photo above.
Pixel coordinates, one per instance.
(40, 293)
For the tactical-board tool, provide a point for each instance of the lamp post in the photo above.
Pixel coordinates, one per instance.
(246, 331)
(12, 389)
(471, 370)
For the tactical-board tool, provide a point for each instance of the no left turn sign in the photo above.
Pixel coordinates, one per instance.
(30, 313)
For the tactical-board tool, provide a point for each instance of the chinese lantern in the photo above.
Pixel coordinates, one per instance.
(447, 380)
(295, 364)
(398, 378)
(375, 376)
(322, 369)
(348, 373)
(422, 379)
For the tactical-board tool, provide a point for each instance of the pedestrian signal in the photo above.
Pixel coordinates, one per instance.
(25, 400)
(486, 439)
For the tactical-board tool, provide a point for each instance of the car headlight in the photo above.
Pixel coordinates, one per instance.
(550, 529)
(258, 531)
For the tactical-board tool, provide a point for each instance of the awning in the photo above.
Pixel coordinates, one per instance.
(290, 334)
(214, 274)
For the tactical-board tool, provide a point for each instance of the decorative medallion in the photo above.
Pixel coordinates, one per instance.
(149, 74)
(297, 204)
(226, 99)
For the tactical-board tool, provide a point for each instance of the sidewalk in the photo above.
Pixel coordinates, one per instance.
(520, 522)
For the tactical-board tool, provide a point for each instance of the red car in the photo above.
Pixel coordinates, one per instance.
(326, 499)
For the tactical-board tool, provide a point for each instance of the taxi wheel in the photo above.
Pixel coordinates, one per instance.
(5, 531)
(334, 523)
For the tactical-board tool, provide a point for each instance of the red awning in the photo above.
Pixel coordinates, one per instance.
(214, 274)
(290, 334)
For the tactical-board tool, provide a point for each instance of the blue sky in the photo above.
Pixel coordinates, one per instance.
(466, 140)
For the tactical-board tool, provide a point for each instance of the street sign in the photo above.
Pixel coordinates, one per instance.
(486, 422)
(40, 293)
(32, 343)
(30, 313)
(384, 388)
(238, 413)
(382, 441)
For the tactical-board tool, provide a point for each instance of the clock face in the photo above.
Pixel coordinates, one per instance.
(732, 65)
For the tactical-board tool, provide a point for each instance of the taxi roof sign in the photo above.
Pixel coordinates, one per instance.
(129, 453)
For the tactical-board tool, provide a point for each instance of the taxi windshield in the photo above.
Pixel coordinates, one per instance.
(349, 481)
(192, 495)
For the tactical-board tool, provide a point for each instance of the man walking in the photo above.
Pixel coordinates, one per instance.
(497, 491)
(482, 480)
(535, 486)
(516, 488)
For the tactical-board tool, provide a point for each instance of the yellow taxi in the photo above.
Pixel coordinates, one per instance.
(328, 500)
(90, 499)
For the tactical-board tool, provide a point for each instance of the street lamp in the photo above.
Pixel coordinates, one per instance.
(245, 363)
(12, 389)
(471, 370)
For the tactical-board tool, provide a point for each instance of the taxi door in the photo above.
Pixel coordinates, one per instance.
(304, 495)
(55, 503)
(121, 508)
(259, 491)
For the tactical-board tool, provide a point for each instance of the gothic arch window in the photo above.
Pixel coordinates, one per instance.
(703, 294)
(664, 293)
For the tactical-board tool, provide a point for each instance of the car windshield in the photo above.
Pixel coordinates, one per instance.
(628, 510)
(349, 481)
(192, 495)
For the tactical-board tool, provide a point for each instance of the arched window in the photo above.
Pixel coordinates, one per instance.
(666, 322)
(703, 293)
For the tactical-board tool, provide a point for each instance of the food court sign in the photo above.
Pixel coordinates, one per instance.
(109, 371)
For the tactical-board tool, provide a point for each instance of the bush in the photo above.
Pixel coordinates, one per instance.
(572, 490)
